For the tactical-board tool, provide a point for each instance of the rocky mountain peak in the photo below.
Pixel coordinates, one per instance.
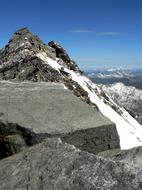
(21, 32)
(23, 35)
(23, 39)
(19, 60)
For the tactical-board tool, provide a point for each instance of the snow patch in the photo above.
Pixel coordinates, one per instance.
(49, 61)
(65, 87)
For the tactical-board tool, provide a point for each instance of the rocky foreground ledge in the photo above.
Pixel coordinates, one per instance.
(54, 165)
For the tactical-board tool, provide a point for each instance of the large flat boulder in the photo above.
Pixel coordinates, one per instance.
(49, 108)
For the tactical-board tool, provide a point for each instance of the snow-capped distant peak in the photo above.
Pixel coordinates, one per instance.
(124, 91)
(111, 73)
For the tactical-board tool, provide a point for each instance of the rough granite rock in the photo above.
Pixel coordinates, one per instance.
(53, 165)
(132, 156)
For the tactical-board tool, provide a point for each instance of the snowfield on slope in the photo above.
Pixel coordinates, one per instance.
(129, 130)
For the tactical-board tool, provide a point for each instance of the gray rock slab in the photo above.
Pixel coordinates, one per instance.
(52, 109)
(46, 108)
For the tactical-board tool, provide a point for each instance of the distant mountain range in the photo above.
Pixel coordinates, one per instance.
(130, 77)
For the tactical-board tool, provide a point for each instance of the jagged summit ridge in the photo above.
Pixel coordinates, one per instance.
(24, 43)
(62, 54)
(24, 39)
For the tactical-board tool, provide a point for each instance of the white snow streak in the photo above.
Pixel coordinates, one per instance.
(129, 130)
(49, 61)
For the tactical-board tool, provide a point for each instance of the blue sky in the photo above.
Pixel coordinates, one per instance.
(96, 33)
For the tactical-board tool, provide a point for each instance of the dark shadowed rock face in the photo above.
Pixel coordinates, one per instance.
(56, 166)
(11, 141)
(14, 138)
(62, 54)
